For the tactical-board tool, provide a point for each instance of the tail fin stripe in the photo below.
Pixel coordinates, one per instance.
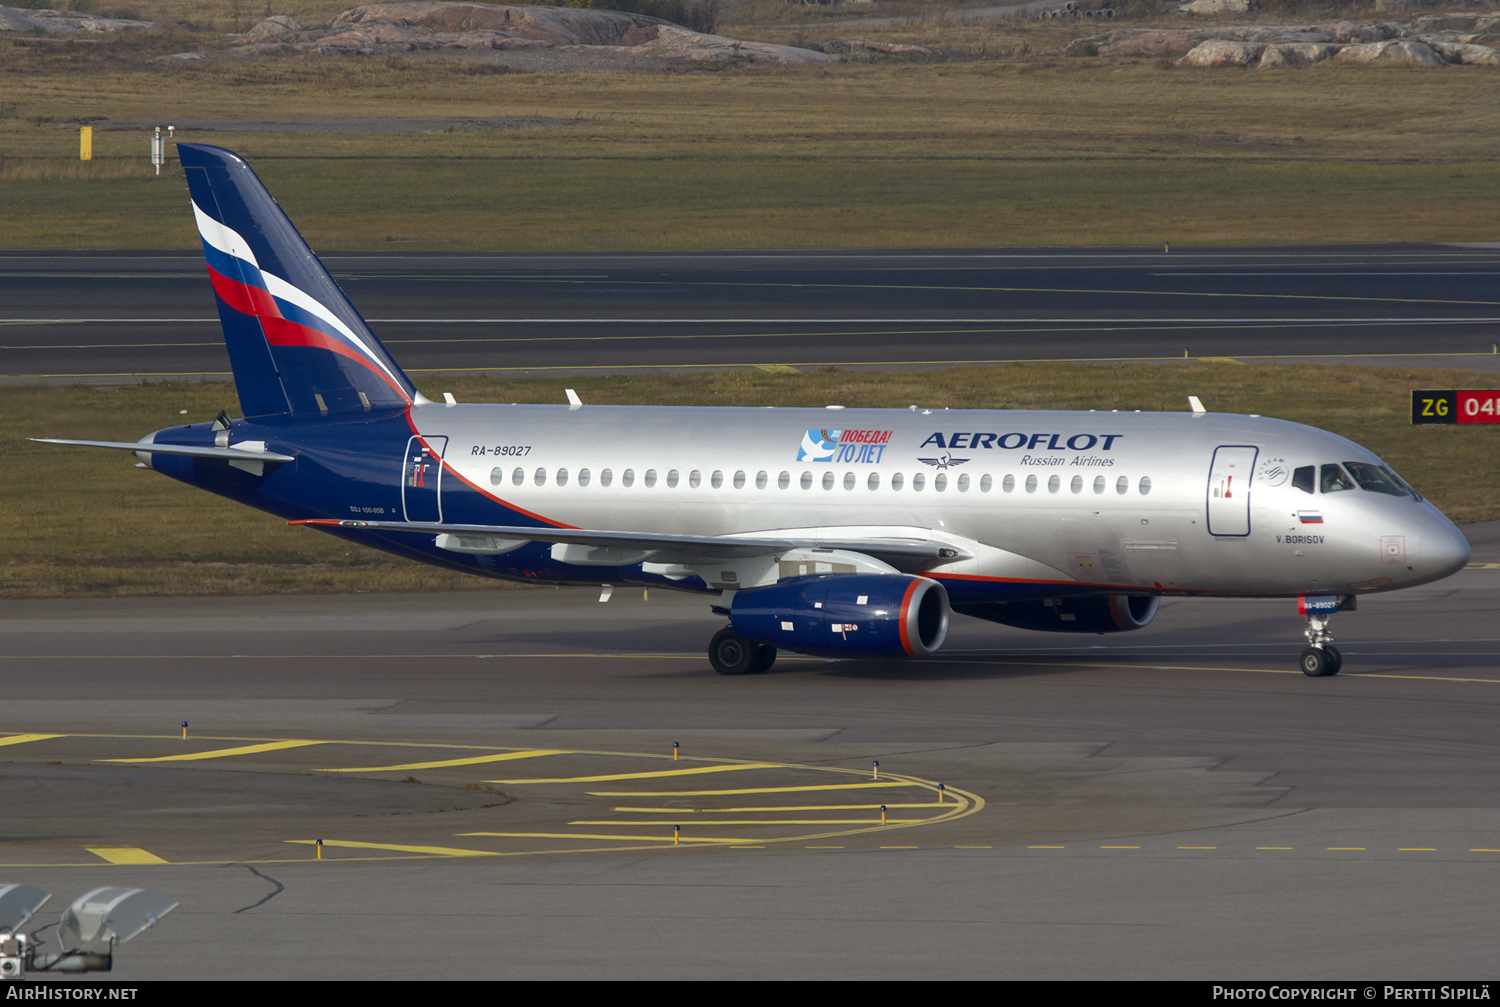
(272, 299)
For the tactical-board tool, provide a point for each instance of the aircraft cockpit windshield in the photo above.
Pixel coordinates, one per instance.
(1335, 478)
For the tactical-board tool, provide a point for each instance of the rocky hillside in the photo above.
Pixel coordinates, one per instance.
(1435, 40)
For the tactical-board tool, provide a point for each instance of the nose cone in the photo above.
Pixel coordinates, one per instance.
(1442, 550)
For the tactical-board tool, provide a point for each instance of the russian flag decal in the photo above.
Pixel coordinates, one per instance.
(1310, 516)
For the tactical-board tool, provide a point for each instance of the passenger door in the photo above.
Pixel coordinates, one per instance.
(1229, 490)
(422, 479)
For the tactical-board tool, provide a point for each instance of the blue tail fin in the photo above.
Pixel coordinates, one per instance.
(295, 342)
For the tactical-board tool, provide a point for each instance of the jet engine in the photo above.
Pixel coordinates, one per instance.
(1113, 613)
(846, 615)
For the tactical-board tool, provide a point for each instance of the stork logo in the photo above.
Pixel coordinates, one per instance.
(848, 447)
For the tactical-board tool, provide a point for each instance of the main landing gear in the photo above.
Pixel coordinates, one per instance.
(732, 654)
(1321, 658)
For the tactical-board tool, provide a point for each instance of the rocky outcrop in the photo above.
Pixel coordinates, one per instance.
(417, 25)
(1436, 40)
(278, 24)
(63, 22)
(1221, 52)
(855, 47)
(1390, 54)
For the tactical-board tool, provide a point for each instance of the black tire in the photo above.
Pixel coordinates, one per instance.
(732, 654)
(1316, 663)
(1337, 658)
(764, 661)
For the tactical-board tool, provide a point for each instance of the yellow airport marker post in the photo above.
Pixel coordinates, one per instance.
(882, 814)
(319, 846)
(875, 768)
(184, 730)
(674, 751)
(86, 143)
(676, 832)
(942, 792)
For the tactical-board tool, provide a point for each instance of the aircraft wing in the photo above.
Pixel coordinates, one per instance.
(231, 454)
(902, 553)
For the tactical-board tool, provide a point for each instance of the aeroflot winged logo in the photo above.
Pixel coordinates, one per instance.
(288, 316)
(847, 447)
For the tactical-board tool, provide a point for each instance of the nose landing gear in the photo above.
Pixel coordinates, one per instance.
(1321, 658)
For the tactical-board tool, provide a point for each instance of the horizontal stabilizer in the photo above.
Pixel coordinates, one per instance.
(229, 454)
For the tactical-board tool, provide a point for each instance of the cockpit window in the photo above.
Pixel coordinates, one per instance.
(1335, 479)
(1306, 478)
(1378, 479)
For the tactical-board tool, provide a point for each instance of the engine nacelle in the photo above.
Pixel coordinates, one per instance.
(1113, 613)
(866, 615)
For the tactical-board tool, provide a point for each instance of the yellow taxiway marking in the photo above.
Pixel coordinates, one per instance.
(1119, 847)
(785, 821)
(578, 835)
(1348, 849)
(945, 805)
(436, 851)
(534, 753)
(747, 847)
(1046, 847)
(754, 790)
(1484, 851)
(271, 746)
(1417, 849)
(648, 776)
(823, 847)
(900, 847)
(1273, 847)
(1197, 847)
(124, 855)
(21, 739)
(973, 847)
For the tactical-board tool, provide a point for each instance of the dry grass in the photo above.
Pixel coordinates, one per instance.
(77, 523)
(983, 153)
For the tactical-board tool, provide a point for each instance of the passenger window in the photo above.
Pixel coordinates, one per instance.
(1122, 485)
(874, 481)
(1304, 477)
(1053, 484)
(828, 480)
(917, 482)
(940, 482)
(694, 478)
(671, 479)
(1077, 485)
(963, 483)
(518, 477)
(606, 477)
(986, 484)
(807, 480)
(1009, 484)
(541, 477)
(849, 480)
(896, 481)
(497, 477)
(562, 477)
(1334, 479)
(650, 478)
(627, 478)
(1031, 484)
(583, 477)
(739, 480)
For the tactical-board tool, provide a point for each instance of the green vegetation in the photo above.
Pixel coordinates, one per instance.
(77, 523)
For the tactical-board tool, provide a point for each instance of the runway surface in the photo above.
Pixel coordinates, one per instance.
(492, 774)
(87, 316)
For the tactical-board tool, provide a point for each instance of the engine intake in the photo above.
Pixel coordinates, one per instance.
(1113, 613)
(871, 615)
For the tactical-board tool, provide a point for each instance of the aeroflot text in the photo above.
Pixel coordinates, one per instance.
(1476, 992)
(1031, 442)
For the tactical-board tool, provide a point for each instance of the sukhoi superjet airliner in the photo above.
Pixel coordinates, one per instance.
(834, 532)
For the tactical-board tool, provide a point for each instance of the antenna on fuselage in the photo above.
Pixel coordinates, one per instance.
(1197, 405)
